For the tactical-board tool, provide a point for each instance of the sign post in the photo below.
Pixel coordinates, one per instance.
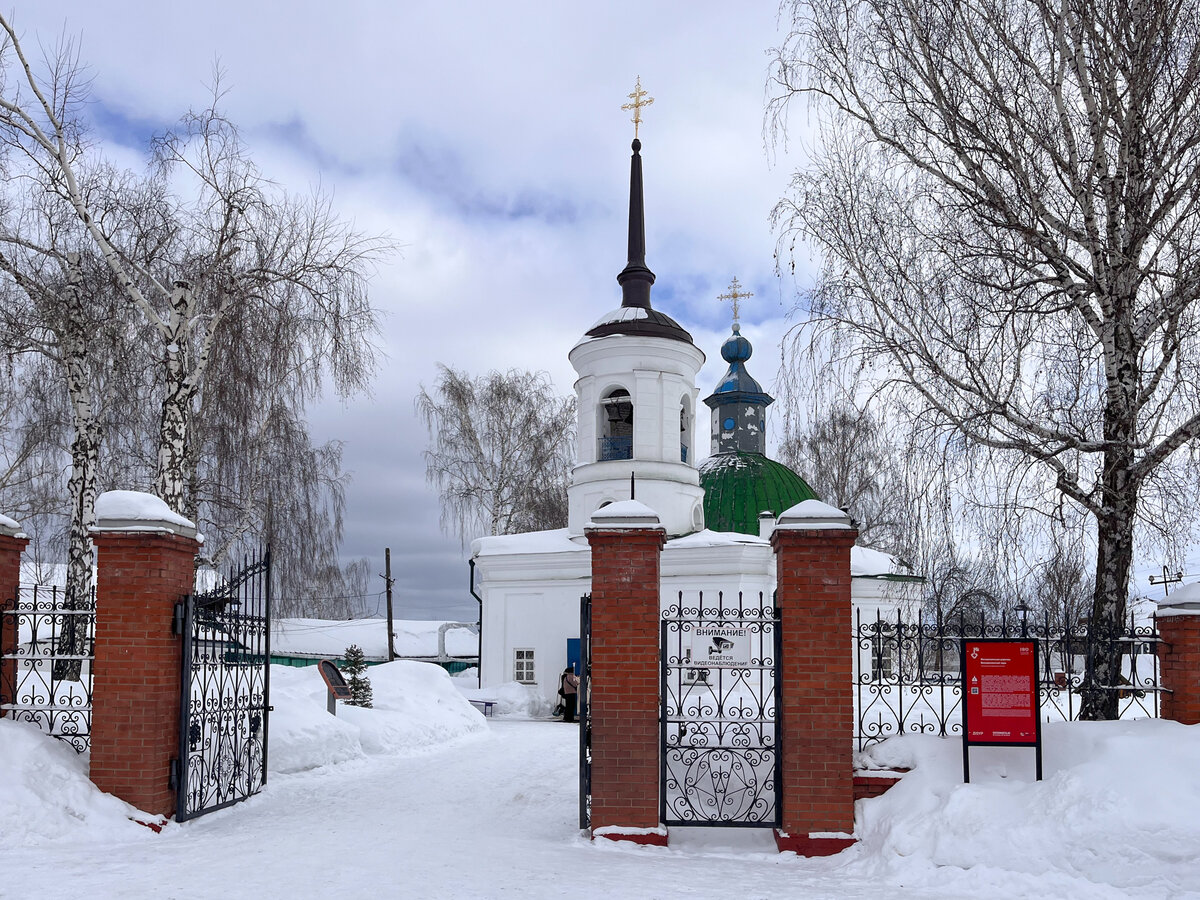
(1001, 705)
(335, 684)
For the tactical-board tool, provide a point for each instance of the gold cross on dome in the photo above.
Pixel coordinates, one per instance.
(640, 98)
(735, 294)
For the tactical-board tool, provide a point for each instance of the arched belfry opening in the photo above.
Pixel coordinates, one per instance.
(616, 426)
(685, 427)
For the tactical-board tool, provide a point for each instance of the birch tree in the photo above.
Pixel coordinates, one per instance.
(1006, 199)
(500, 451)
(187, 261)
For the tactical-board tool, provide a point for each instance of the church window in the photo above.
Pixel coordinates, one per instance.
(523, 671)
(616, 426)
(685, 429)
(729, 424)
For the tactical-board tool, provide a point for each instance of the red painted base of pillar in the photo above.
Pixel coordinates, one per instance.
(644, 836)
(805, 845)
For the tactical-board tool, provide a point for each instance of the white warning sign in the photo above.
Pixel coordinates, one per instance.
(717, 646)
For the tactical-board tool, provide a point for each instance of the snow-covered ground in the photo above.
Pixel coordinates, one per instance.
(424, 798)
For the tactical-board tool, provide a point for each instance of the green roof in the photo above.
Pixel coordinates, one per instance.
(738, 486)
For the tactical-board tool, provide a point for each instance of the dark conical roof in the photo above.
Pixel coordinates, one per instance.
(635, 316)
(738, 486)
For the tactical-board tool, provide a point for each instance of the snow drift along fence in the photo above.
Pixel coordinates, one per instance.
(908, 676)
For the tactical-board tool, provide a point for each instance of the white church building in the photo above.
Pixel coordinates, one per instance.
(637, 407)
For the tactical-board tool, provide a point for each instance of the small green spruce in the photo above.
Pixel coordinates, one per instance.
(355, 671)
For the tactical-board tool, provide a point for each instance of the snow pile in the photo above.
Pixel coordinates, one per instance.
(1118, 806)
(416, 707)
(45, 794)
(512, 699)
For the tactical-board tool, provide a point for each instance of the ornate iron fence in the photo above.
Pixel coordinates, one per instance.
(225, 701)
(46, 657)
(720, 698)
(908, 674)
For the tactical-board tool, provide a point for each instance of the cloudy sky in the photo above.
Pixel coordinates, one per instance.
(487, 140)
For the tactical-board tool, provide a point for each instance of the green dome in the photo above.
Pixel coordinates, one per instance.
(738, 486)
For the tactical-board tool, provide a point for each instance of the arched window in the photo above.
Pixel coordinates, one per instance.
(616, 426)
(685, 428)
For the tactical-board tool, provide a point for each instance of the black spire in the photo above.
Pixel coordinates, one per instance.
(635, 279)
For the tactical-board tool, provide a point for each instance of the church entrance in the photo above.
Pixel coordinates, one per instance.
(720, 701)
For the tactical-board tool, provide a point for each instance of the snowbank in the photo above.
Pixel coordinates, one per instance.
(512, 699)
(416, 707)
(1117, 807)
(45, 794)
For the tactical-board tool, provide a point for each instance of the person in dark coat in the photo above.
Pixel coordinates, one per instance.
(568, 689)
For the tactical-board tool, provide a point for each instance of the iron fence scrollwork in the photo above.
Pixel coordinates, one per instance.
(720, 699)
(908, 674)
(47, 651)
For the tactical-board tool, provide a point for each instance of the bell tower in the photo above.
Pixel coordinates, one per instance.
(637, 396)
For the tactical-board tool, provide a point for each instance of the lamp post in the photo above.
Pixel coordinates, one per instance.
(1022, 611)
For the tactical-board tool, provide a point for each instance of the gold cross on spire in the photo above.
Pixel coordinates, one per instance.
(735, 294)
(640, 98)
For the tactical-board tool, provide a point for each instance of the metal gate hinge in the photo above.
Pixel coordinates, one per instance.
(177, 617)
(173, 775)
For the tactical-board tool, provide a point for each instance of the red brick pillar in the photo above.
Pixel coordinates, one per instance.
(1178, 623)
(145, 563)
(12, 543)
(626, 540)
(812, 557)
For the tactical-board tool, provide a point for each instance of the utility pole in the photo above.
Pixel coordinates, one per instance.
(389, 581)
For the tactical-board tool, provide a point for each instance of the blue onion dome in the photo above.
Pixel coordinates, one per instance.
(736, 349)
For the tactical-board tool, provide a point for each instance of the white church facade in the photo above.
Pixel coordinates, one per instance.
(637, 406)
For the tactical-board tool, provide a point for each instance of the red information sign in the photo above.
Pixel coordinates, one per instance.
(1000, 692)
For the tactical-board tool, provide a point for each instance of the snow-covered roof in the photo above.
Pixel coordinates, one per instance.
(621, 314)
(557, 540)
(329, 638)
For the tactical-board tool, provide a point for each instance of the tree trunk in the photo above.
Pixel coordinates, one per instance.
(172, 475)
(81, 487)
(1114, 558)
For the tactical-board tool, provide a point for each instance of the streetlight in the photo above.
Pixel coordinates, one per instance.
(1022, 610)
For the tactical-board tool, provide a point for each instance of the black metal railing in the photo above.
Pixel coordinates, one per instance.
(616, 448)
(908, 674)
(46, 659)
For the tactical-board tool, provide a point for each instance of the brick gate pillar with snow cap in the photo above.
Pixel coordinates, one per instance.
(812, 542)
(12, 544)
(1178, 620)
(626, 540)
(145, 563)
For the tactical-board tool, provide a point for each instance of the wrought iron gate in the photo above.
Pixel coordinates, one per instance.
(720, 697)
(225, 699)
(585, 711)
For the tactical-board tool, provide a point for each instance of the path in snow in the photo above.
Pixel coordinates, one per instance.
(492, 815)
